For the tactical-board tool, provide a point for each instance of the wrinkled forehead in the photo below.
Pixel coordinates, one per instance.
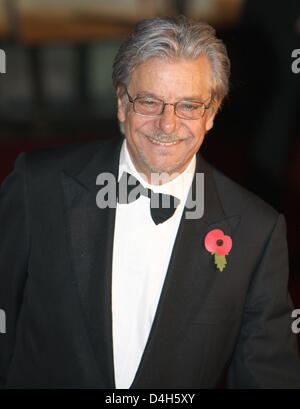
(172, 78)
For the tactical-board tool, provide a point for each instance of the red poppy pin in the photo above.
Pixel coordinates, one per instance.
(219, 246)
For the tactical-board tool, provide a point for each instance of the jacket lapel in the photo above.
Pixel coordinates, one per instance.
(190, 277)
(90, 237)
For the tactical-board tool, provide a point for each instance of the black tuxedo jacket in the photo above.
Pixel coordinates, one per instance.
(55, 284)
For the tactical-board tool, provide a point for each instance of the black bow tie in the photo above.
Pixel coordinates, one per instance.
(162, 206)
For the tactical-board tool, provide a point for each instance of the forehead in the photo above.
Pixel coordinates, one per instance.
(172, 78)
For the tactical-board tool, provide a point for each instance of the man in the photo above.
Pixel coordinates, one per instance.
(122, 295)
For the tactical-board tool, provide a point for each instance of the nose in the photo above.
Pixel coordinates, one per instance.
(168, 121)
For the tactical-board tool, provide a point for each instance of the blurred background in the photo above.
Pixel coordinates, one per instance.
(57, 87)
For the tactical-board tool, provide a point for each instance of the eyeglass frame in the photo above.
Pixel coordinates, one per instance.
(132, 101)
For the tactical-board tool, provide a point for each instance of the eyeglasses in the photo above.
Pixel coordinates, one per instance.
(147, 106)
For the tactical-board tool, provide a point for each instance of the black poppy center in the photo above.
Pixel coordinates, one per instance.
(219, 242)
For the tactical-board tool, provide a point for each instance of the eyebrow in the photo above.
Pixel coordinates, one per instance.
(145, 94)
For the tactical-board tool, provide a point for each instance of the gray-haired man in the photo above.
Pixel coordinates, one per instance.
(127, 296)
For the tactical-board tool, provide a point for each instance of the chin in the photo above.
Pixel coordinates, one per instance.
(164, 169)
(160, 166)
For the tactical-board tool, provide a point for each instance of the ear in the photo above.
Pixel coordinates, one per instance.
(121, 108)
(210, 116)
(210, 121)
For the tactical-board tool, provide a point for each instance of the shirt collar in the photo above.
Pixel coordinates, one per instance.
(177, 187)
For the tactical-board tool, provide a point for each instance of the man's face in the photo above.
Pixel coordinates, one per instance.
(170, 81)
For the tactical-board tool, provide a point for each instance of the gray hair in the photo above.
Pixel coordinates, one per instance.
(173, 38)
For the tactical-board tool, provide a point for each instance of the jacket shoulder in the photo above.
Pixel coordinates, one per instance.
(236, 199)
(72, 157)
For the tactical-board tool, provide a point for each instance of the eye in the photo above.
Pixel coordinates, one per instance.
(188, 106)
(148, 102)
(147, 106)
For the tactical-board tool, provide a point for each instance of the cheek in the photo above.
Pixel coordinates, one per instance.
(197, 133)
(139, 125)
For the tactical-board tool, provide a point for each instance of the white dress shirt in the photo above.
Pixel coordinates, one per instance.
(141, 255)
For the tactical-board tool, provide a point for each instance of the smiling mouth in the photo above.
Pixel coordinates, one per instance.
(161, 143)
